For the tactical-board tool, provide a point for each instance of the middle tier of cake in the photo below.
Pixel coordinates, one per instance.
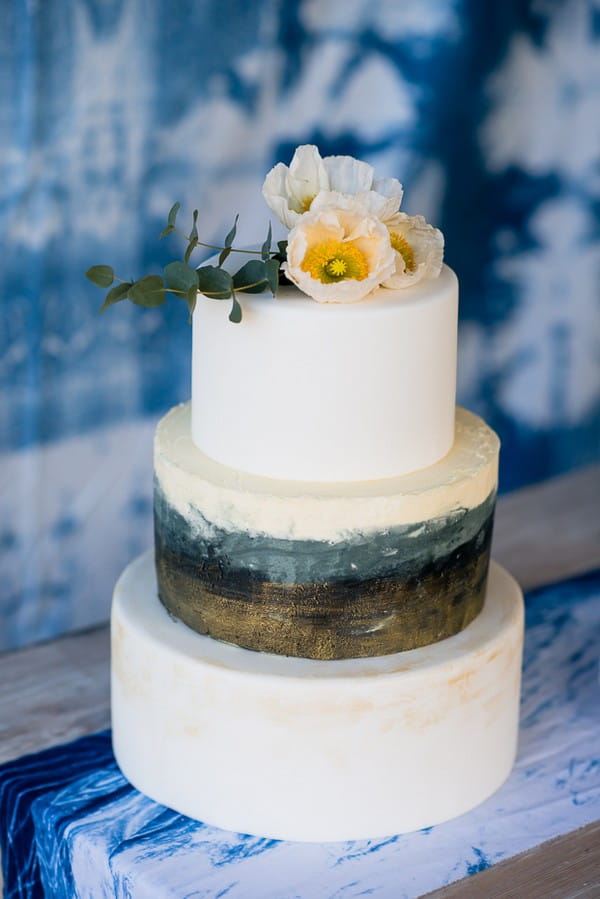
(324, 571)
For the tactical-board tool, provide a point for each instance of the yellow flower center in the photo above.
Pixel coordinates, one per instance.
(306, 204)
(401, 245)
(335, 260)
(336, 267)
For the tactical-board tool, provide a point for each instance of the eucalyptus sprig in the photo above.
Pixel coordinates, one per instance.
(183, 280)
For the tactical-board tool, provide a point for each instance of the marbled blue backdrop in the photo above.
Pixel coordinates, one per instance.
(110, 111)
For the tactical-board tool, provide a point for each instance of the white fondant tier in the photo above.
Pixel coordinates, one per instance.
(309, 750)
(327, 392)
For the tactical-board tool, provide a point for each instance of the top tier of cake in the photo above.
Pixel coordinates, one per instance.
(328, 392)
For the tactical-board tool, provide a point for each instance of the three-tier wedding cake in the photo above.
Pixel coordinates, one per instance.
(319, 648)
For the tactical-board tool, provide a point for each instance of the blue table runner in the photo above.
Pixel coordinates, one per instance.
(72, 826)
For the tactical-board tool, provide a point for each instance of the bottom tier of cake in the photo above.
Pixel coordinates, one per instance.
(301, 749)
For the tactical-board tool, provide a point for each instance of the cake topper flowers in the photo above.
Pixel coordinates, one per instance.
(315, 192)
(347, 238)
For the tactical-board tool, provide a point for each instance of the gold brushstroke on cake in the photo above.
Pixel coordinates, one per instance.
(327, 620)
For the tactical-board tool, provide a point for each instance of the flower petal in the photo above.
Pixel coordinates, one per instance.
(389, 187)
(337, 201)
(348, 175)
(386, 197)
(275, 193)
(305, 178)
(378, 204)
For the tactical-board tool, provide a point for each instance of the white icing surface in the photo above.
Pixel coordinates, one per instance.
(311, 750)
(234, 500)
(327, 392)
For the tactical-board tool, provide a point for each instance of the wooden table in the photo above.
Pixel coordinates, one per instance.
(58, 691)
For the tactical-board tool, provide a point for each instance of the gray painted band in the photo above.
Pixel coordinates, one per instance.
(405, 549)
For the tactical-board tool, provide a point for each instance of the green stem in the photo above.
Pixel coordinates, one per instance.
(248, 286)
(210, 246)
(211, 293)
(214, 293)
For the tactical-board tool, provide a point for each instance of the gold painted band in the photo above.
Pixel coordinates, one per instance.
(327, 620)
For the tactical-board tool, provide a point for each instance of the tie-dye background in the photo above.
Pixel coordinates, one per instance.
(112, 109)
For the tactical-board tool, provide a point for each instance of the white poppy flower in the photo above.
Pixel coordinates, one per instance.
(289, 192)
(419, 250)
(338, 252)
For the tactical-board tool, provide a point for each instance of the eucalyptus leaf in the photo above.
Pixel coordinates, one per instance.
(266, 247)
(194, 231)
(173, 214)
(170, 220)
(116, 294)
(272, 272)
(192, 239)
(192, 296)
(235, 315)
(228, 242)
(190, 249)
(148, 291)
(214, 282)
(252, 273)
(101, 275)
(180, 276)
(282, 247)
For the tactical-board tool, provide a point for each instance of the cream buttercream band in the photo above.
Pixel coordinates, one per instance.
(195, 485)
